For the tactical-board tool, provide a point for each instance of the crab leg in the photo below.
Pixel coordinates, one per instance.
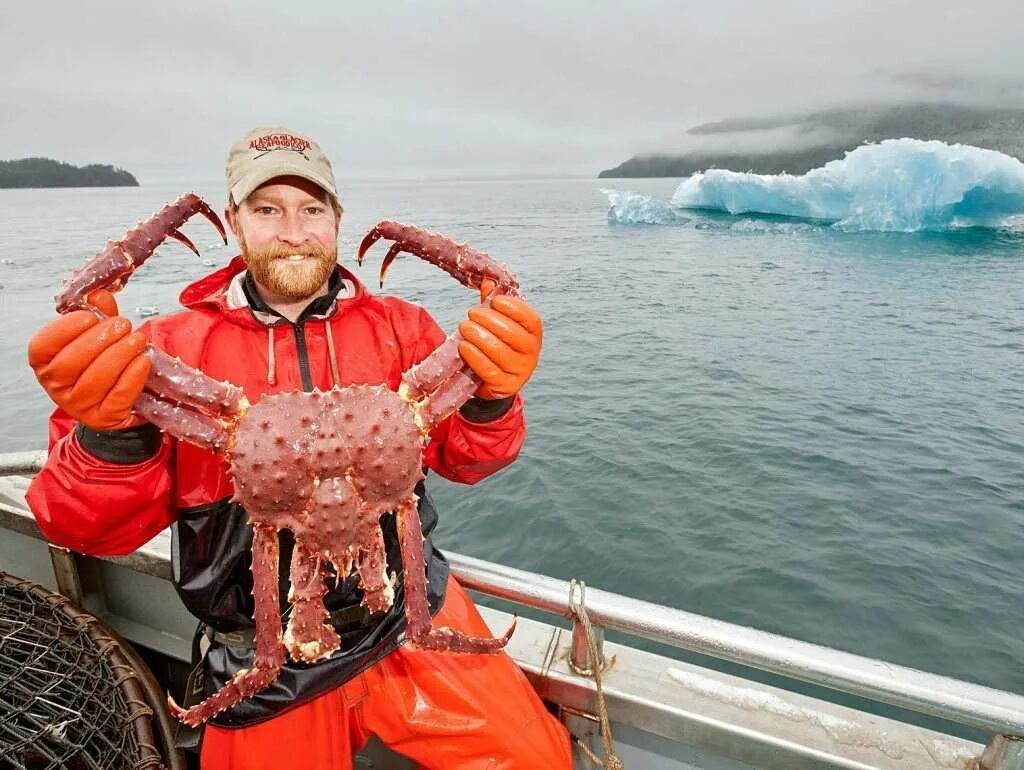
(269, 655)
(432, 371)
(111, 268)
(189, 404)
(172, 380)
(417, 610)
(453, 393)
(378, 590)
(308, 621)
(183, 423)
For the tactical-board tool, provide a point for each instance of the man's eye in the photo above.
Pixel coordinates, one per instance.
(265, 210)
(314, 210)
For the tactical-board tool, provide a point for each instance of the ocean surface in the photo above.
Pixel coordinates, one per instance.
(771, 421)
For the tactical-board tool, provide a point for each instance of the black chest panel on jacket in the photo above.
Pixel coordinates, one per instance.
(211, 557)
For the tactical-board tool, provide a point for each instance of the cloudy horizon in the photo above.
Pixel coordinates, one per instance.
(450, 89)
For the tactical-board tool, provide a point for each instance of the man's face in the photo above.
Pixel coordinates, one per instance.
(289, 236)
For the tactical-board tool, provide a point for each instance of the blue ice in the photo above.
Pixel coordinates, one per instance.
(633, 208)
(902, 185)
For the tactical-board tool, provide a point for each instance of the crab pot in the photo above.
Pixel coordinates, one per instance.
(72, 696)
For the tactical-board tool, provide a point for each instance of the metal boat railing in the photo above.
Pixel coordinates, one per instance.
(961, 702)
(991, 710)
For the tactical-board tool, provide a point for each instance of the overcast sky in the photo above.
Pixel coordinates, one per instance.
(436, 88)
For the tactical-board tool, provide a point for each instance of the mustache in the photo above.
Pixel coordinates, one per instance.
(281, 251)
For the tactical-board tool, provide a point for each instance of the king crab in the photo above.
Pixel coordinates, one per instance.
(325, 465)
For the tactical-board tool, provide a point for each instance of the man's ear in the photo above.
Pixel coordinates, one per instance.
(232, 220)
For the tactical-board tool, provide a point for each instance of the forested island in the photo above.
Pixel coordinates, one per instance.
(45, 172)
(796, 144)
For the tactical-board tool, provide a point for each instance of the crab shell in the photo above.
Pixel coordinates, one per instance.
(327, 465)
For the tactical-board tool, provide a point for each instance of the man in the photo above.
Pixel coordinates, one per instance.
(283, 316)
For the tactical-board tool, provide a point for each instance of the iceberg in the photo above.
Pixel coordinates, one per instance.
(898, 185)
(633, 208)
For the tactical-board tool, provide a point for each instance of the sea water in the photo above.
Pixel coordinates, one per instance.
(768, 420)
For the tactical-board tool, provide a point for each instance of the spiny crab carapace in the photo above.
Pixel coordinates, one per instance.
(325, 465)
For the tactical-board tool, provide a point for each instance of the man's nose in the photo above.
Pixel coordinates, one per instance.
(292, 230)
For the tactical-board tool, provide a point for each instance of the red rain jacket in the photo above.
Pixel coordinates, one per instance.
(148, 480)
(102, 508)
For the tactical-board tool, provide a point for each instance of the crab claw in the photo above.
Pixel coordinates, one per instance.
(182, 238)
(172, 706)
(450, 640)
(368, 240)
(211, 215)
(394, 251)
(111, 268)
(371, 238)
(467, 265)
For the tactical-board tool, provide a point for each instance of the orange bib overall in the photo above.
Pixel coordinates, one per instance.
(440, 709)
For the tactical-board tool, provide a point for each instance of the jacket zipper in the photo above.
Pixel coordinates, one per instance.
(300, 347)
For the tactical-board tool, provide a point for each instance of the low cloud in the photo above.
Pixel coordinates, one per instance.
(452, 87)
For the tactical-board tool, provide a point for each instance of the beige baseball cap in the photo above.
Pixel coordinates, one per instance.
(265, 153)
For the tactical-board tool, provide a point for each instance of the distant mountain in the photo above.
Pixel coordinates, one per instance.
(44, 172)
(796, 144)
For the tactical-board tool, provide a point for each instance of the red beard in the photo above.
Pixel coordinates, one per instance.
(271, 270)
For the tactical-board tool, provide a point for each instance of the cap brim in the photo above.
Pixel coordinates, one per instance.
(244, 187)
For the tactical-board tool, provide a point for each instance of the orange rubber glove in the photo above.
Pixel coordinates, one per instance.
(94, 370)
(501, 344)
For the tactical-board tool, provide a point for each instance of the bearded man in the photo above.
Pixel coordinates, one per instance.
(284, 316)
